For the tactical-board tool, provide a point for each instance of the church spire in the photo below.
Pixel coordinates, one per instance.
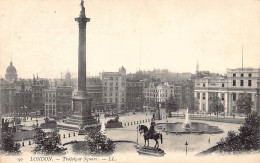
(197, 67)
(242, 56)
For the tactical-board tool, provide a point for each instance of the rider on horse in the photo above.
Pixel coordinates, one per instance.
(151, 129)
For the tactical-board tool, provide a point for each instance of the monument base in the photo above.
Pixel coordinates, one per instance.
(151, 151)
(114, 125)
(186, 125)
(157, 114)
(82, 116)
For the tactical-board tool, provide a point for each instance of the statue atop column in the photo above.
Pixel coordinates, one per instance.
(82, 12)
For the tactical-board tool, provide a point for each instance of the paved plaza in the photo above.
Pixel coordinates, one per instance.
(172, 143)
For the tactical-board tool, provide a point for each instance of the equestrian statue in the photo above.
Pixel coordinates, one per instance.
(150, 134)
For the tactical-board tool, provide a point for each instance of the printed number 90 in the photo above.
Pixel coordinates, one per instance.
(20, 159)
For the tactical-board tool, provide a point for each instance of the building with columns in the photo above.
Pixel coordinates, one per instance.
(228, 88)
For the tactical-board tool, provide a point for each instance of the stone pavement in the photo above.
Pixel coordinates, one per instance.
(171, 142)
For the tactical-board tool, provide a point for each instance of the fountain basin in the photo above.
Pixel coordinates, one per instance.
(195, 128)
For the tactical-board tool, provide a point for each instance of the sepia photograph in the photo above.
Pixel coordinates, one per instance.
(129, 81)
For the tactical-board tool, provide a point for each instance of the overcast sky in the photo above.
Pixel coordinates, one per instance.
(41, 36)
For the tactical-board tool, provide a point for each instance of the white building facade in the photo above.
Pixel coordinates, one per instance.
(158, 93)
(237, 81)
(164, 91)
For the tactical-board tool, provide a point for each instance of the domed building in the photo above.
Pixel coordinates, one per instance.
(68, 81)
(11, 74)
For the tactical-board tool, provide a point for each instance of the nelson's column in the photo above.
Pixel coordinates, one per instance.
(81, 102)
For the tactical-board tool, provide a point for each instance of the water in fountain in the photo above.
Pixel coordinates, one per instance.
(188, 127)
(102, 119)
(186, 123)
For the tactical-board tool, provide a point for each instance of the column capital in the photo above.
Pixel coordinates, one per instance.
(82, 21)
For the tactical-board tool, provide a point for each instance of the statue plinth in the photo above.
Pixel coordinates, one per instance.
(157, 114)
(114, 123)
(151, 151)
(81, 115)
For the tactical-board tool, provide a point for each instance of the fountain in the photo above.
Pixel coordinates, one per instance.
(103, 128)
(187, 127)
(186, 123)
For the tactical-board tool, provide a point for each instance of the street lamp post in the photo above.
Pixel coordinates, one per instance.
(158, 110)
(137, 134)
(186, 144)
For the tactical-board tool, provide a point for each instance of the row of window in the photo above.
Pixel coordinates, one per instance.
(249, 83)
(111, 94)
(112, 78)
(155, 100)
(158, 95)
(49, 107)
(111, 84)
(110, 100)
(242, 75)
(234, 83)
(212, 96)
(51, 112)
(158, 91)
(50, 95)
(134, 85)
(111, 88)
(53, 94)
(148, 90)
(222, 85)
(49, 100)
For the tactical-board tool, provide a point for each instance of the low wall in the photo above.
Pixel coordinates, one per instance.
(24, 135)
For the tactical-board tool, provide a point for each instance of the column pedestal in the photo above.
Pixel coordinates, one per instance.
(81, 115)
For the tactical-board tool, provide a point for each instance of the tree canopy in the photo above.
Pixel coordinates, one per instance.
(194, 106)
(96, 143)
(248, 138)
(244, 103)
(8, 145)
(171, 105)
(47, 143)
(216, 106)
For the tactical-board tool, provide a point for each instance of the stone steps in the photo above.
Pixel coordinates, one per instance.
(68, 127)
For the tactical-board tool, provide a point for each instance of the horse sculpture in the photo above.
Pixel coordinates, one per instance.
(148, 136)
